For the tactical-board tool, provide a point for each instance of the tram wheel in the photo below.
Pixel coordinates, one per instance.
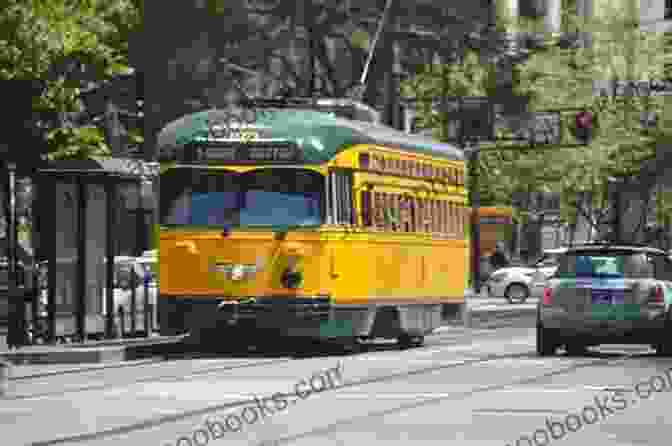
(407, 341)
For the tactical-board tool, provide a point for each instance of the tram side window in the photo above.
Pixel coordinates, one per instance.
(451, 219)
(341, 187)
(379, 210)
(458, 219)
(406, 214)
(444, 216)
(367, 207)
(428, 216)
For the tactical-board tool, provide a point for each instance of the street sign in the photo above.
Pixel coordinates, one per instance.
(536, 128)
(635, 88)
(543, 128)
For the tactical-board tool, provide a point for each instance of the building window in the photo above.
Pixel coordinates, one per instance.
(668, 9)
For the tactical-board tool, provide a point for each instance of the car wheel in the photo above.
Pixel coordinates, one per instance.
(517, 293)
(546, 345)
(664, 348)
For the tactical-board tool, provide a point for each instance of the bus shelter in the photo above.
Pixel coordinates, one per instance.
(79, 205)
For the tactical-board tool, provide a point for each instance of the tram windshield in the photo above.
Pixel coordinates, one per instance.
(266, 197)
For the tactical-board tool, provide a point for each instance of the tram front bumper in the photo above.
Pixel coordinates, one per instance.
(272, 312)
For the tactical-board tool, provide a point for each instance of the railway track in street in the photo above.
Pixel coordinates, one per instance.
(155, 370)
(441, 345)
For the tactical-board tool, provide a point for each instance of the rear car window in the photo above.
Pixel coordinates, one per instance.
(607, 265)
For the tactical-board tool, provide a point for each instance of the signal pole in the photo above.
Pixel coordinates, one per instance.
(475, 202)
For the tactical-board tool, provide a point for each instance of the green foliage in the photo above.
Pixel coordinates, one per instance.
(561, 78)
(76, 143)
(468, 78)
(48, 40)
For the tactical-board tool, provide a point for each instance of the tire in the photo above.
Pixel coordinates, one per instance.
(576, 349)
(664, 348)
(546, 345)
(520, 297)
(406, 341)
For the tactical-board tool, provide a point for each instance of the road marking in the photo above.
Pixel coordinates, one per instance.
(17, 410)
(518, 412)
(538, 390)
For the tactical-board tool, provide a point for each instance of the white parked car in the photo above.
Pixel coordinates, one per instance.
(517, 283)
(142, 267)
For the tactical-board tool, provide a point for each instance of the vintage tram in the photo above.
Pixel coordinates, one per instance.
(300, 223)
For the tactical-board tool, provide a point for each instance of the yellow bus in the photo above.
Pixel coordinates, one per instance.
(304, 224)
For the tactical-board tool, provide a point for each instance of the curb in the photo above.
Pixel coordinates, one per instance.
(103, 352)
(5, 371)
(467, 317)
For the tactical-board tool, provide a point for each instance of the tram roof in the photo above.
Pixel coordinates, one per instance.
(320, 136)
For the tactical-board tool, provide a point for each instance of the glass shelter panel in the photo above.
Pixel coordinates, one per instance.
(96, 218)
(66, 231)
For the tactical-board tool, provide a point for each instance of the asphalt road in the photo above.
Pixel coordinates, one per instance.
(478, 387)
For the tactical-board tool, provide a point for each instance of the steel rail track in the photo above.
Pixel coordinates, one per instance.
(155, 422)
(325, 430)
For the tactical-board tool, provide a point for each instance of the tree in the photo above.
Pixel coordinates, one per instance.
(562, 75)
(66, 45)
(619, 55)
(269, 54)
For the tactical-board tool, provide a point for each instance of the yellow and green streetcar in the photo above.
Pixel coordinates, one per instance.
(304, 224)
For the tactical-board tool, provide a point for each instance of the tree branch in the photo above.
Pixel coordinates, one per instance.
(324, 61)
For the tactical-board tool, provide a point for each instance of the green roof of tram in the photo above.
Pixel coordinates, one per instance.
(320, 136)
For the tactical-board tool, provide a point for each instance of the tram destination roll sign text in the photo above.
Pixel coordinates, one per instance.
(250, 153)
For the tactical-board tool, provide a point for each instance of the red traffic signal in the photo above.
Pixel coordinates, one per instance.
(585, 124)
(584, 120)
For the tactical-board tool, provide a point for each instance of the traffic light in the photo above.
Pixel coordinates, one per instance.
(585, 126)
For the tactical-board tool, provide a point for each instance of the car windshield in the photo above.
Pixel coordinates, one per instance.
(547, 260)
(626, 265)
(268, 197)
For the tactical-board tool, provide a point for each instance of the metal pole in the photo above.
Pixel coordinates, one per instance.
(48, 183)
(475, 199)
(308, 19)
(147, 317)
(134, 285)
(16, 334)
(110, 200)
(81, 258)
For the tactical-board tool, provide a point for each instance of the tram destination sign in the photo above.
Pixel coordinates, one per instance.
(250, 153)
(387, 164)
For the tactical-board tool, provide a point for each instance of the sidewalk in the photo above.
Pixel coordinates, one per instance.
(90, 353)
(113, 351)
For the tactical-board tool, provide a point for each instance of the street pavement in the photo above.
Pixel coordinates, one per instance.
(464, 387)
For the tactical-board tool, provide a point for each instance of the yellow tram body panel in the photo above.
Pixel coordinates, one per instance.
(352, 267)
(419, 260)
